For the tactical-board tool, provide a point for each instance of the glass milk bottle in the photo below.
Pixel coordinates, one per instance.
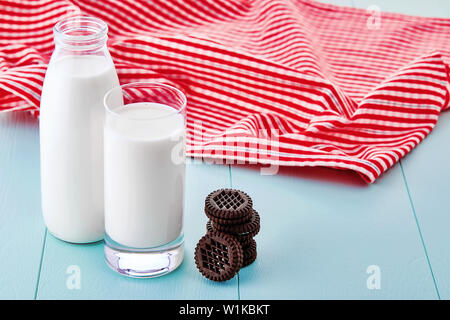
(79, 74)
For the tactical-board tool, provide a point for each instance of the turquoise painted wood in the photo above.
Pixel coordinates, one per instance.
(99, 282)
(427, 172)
(21, 226)
(321, 230)
(425, 169)
(428, 8)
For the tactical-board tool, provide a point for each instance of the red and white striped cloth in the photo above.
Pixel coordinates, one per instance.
(331, 86)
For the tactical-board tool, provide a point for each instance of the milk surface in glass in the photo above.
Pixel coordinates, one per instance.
(144, 175)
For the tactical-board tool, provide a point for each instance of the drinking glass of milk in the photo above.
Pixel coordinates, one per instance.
(78, 76)
(144, 162)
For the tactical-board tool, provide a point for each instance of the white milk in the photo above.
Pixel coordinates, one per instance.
(71, 133)
(144, 175)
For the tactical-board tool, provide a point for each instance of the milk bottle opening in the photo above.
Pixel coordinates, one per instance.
(81, 33)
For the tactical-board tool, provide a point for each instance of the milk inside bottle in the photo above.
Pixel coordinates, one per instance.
(79, 74)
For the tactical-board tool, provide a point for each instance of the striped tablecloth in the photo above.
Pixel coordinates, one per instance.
(280, 82)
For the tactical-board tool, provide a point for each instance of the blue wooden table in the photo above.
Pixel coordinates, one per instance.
(325, 234)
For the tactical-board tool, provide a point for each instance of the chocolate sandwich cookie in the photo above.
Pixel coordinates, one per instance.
(209, 227)
(241, 231)
(218, 256)
(244, 239)
(228, 206)
(249, 253)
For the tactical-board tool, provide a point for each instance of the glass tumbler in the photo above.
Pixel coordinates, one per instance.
(144, 167)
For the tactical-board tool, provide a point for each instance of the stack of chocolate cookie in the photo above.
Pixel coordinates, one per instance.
(228, 244)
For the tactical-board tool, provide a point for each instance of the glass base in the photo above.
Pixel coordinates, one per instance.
(144, 263)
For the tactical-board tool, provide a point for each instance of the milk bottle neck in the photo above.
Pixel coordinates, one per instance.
(81, 35)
